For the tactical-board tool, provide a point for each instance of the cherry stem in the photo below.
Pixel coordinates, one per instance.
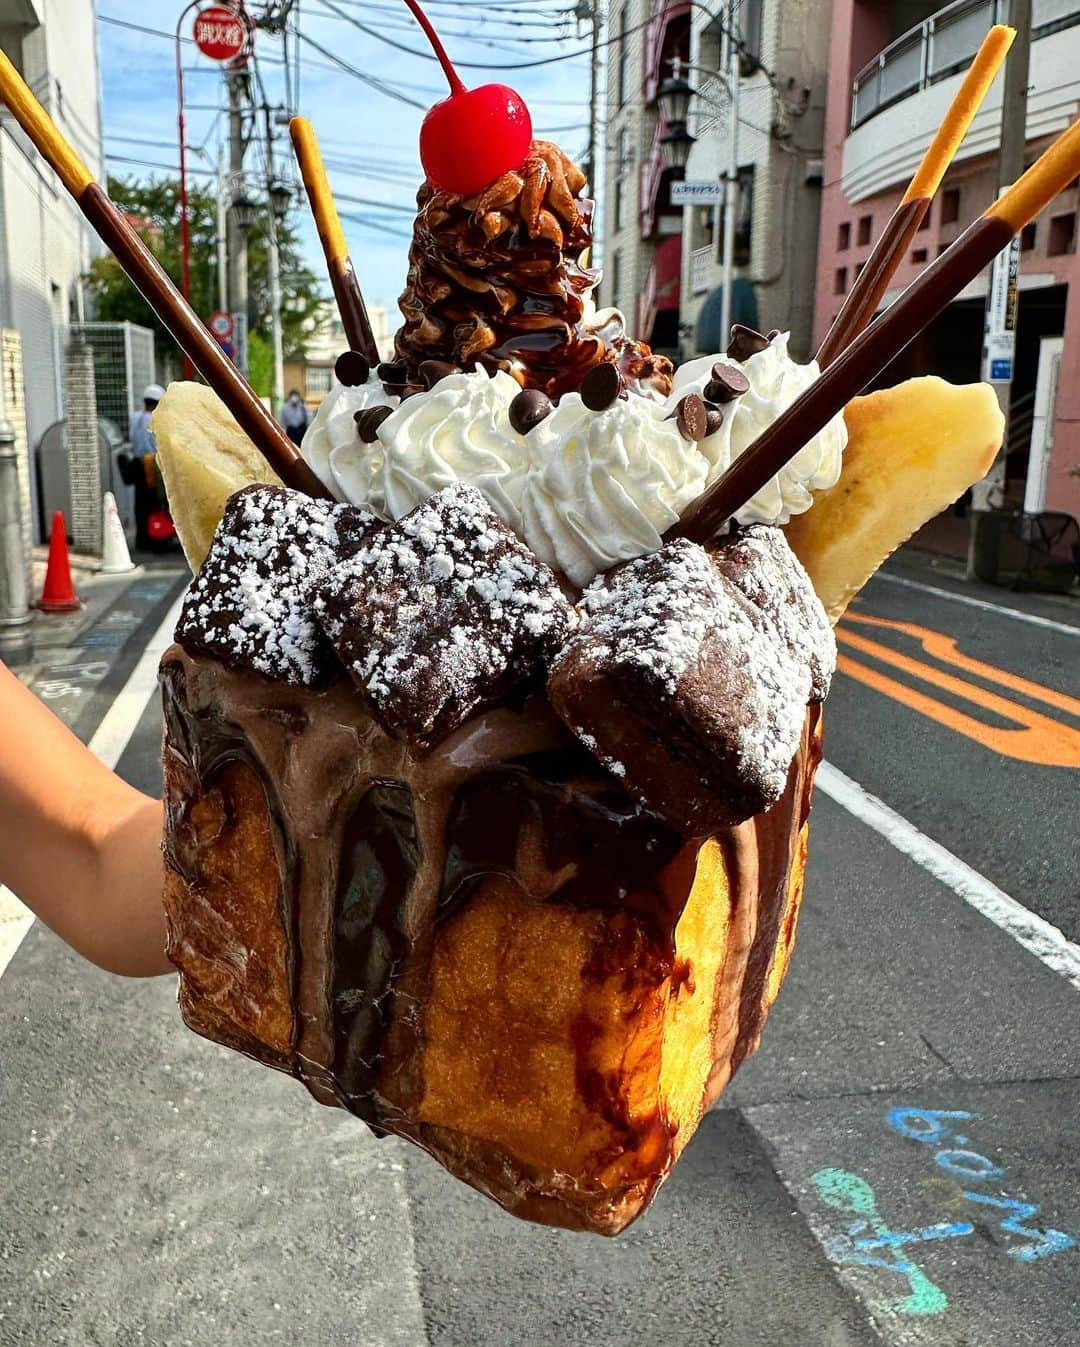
(456, 86)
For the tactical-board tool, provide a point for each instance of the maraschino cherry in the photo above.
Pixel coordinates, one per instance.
(474, 136)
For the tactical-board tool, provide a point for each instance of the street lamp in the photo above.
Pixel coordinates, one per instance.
(244, 206)
(281, 196)
(676, 143)
(674, 97)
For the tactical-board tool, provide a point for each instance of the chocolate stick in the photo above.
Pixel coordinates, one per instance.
(866, 294)
(350, 301)
(143, 268)
(884, 339)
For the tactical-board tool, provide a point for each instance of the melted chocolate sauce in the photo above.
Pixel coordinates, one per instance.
(379, 847)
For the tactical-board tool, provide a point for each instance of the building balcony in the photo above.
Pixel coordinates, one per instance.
(667, 37)
(656, 214)
(899, 99)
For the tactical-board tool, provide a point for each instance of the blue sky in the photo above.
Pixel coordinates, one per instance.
(376, 135)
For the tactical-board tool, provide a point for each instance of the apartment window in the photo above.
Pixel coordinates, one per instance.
(843, 237)
(617, 204)
(840, 281)
(1027, 237)
(744, 216)
(616, 277)
(859, 269)
(622, 69)
(750, 28)
(919, 254)
(950, 205)
(865, 229)
(317, 379)
(1062, 236)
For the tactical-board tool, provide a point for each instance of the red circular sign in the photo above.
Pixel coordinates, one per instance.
(220, 33)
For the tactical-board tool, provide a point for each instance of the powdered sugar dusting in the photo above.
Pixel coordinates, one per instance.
(440, 612)
(251, 603)
(760, 563)
(706, 665)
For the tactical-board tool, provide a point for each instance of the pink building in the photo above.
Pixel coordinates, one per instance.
(894, 67)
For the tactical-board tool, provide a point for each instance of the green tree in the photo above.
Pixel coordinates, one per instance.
(155, 206)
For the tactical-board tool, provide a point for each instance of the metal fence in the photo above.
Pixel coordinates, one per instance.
(940, 46)
(123, 366)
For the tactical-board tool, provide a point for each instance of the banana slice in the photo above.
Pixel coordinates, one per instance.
(204, 457)
(912, 450)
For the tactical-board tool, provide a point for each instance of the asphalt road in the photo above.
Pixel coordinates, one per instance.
(899, 1163)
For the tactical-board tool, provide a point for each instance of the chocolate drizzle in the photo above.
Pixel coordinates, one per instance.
(497, 279)
(380, 856)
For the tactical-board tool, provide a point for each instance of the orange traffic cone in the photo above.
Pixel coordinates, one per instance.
(59, 595)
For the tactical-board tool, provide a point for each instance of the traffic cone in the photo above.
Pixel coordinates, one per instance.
(117, 558)
(59, 595)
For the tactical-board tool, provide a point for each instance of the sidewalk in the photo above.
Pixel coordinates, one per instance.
(74, 656)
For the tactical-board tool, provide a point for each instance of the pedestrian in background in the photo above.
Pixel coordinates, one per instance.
(139, 470)
(294, 416)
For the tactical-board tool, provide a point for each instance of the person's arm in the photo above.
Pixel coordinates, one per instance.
(80, 847)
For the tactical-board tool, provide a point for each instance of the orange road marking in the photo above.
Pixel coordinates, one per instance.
(944, 648)
(1037, 738)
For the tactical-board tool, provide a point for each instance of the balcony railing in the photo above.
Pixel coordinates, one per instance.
(940, 46)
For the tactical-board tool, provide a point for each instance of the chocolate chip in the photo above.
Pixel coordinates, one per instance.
(714, 419)
(691, 418)
(726, 383)
(369, 420)
(491, 364)
(745, 342)
(431, 371)
(600, 387)
(392, 372)
(528, 409)
(352, 369)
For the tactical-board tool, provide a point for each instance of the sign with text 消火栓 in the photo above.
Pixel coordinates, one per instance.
(220, 33)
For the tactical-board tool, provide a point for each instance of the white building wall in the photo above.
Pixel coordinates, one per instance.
(786, 195)
(630, 128)
(45, 247)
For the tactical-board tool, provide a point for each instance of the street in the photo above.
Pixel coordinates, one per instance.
(899, 1163)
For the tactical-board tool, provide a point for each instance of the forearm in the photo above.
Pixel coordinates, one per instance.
(78, 845)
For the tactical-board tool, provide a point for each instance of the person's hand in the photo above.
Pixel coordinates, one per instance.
(80, 847)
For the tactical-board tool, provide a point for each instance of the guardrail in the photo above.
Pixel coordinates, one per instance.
(940, 46)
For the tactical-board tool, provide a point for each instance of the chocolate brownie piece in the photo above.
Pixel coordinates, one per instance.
(441, 614)
(250, 606)
(758, 561)
(679, 686)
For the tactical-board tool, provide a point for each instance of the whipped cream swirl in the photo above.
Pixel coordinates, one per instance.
(775, 382)
(333, 431)
(585, 490)
(604, 486)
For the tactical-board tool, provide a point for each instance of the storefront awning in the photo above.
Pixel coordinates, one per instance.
(709, 337)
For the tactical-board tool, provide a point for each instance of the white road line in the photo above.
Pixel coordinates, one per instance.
(971, 602)
(1037, 936)
(108, 743)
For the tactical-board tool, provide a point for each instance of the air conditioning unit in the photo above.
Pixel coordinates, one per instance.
(815, 172)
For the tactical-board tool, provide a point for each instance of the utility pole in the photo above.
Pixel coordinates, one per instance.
(732, 177)
(592, 8)
(277, 203)
(238, 220)
(1001, 300)
(222, 228)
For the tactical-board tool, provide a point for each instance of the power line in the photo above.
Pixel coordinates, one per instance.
(485, 65)
(369, 80)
